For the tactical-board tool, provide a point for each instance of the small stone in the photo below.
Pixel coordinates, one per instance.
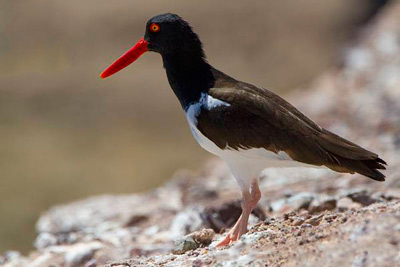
(314, 220)
(319, 206)
(45, 240)
(298, 221)
(344, 203)
(392, 194)
(91, 263)
(355, 206)
(330, 218)
(183, 245)
(80, 253)
(301, 200)
(199, 193)
(197, 263)
(362, 197)
(136, 219)
(12, 255)
(203, 237)
(295, 202)
(360, 260)
(186, 221)
(306, 225)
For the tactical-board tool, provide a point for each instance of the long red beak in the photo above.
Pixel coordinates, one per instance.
(126, 59)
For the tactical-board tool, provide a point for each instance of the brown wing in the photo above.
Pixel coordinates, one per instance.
(259, 118)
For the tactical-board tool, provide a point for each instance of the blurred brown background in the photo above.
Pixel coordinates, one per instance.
(66, 134)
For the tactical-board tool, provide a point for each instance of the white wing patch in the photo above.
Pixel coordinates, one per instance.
(206, 102)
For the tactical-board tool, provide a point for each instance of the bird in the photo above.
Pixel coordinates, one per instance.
(248, 127)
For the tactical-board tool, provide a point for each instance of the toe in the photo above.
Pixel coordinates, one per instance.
(225, 242)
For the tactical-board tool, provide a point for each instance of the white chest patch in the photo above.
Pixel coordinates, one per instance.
(206, 102)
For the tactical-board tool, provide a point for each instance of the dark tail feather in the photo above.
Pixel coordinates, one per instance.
(368, 168)
(349, 157)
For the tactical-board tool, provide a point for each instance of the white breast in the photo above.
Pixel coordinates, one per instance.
(206, 102)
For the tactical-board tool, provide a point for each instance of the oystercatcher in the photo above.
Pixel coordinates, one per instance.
(249, 127)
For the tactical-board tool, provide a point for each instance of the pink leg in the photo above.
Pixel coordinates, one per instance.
(249, 207)
(250, 200)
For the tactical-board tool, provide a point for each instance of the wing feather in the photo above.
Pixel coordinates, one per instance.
(260, 118)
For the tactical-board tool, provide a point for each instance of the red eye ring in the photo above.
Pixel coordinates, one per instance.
(154, 27)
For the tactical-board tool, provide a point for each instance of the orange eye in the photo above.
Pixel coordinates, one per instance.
(154, 27)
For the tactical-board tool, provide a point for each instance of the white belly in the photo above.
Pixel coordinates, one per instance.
(252, 155)
(245, 164)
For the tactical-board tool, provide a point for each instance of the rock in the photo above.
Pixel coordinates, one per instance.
(186, 221)
(251, 238)
(363, 197)
(201, 193)
(136, 219)
(78, 254)
(315, 220)
(360, 260)
(298, 221)
(45, 240)
(346, 203)
(192, 241)
(203, 237)
(183, 245)
(391, 193)
(13, 258)
(12, 255)
(46, 259)
(322, 204)
(306, 225)
(298, 201)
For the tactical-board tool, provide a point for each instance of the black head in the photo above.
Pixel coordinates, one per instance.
(167, 34)
(170, 34)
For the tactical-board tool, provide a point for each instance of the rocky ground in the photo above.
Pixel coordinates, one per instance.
(307, 217)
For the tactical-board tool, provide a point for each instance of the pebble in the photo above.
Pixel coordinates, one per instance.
(314, 220)
(363, 197)
(76, 255)
(295, 202)
(45, 240)
(192, 241)
(329, 203)
(203, 237)
(186, 221)
(392, 194)
(12, 255)
(306, 225)
(298, 221)
(183, 245)
(346, 203)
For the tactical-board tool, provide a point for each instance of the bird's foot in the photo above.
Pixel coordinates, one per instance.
(227, 240)
(234, 234)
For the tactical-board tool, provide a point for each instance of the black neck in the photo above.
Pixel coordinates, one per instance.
(188, 75)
